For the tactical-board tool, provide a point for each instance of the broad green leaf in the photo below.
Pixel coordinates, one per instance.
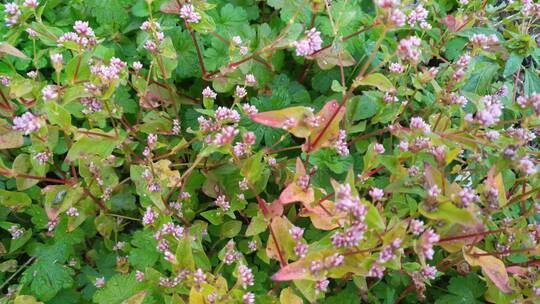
(16, 201)
(375, 80)
(9, 138)
(288, 296)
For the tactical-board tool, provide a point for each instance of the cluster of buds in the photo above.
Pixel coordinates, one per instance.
(244, 147)
(483, 42)
(13, 13)
(419, 15)
(409, 49)
(83, 36)
(341, 143)
(231, 255)
(300, 248)
(237, 42)
(91, 105)
(156, 36)
(108, 73)
(245, 276)
(188, 13)
(490, 113)
(221, 202)
(311, 43)
(533, 100)
(150, 216)
(429, 238)
(27, 123)
(318, 267)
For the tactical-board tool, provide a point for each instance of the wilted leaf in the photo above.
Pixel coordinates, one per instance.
(492, 267)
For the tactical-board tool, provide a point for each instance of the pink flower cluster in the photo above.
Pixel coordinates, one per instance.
(409, 49)
(419, 15)
(491, 111)
(310, 44)
(188, 13)
(13, 13)
(83, 36)
(483, 41)
(109, 73)
(246, 276)
(341, 144)
(27, 123)
(429, 238)
(300, 248)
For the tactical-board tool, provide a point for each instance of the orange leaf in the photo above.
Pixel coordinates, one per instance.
(492, 267)
(277, 119)
(326, 136)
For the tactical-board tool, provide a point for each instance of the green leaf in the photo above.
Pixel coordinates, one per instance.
(512, 64)
(47, 275)
(184, 254)
(257, 225)
(99, 145)
(363, 107)
(57, 115)
(117, 289)
(16, 201)
(448, 212)
(9, 138)
(377, 80)
(532, 82)
(230, 229)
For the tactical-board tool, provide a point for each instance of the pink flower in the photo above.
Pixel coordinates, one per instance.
(246, 276)
(49, 93)
(251, 80)
(221, 201)
(209, 93)
(416, 226)
(396, 68)
(240, 92)
(310, 44)
(378, 148)
(467, 196)
(100, 282)
(341, 144)
(27, 123)
(248, 298)
(409, 48)
(137, 65)
(82, 28)
(30, 3)
(376, 193)
(249, 109)
(419, 124)
(188, 13)
(73, 212)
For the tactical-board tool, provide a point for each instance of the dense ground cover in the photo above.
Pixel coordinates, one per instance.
(279, 151)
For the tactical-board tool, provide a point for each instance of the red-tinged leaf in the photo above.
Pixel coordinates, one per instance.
(277, 119)
(496, 181)
(280, 227)
(457, 230)
(326, 135)
(294, 271)
(170, 7)
(275, 209)
(295, 193)
(324, 216)
(493, 267)
(6, 48)
(518, 270)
